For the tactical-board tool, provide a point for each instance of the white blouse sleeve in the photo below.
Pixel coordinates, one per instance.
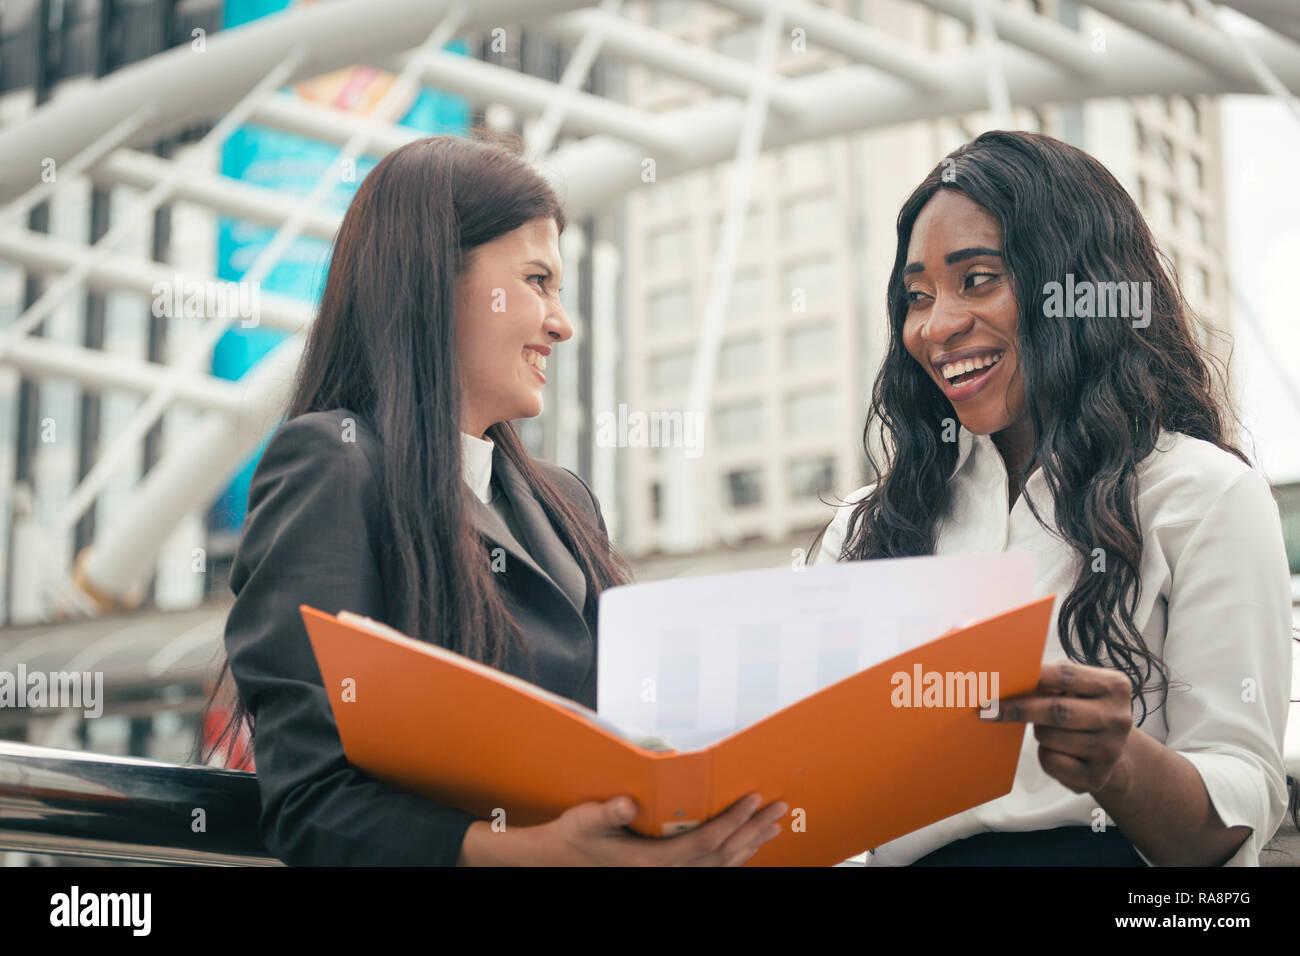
(1228, 642)
(828, 551)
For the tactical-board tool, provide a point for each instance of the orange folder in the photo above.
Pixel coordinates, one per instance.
(857, 768)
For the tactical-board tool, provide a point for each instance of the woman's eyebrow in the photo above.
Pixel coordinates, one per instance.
(541, 265)
(958, 256)
(971, 253)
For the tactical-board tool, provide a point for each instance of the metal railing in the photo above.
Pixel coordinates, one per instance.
(73, 803)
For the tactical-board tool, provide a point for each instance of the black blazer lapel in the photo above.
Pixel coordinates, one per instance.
(543, 552)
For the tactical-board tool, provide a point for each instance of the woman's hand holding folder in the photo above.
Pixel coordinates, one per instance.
(595, 834)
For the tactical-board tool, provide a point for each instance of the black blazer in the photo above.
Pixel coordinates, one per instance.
(315, 534)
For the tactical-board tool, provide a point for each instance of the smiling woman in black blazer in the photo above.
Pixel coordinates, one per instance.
(397, 488)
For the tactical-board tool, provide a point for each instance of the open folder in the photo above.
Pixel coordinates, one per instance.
(869, 754)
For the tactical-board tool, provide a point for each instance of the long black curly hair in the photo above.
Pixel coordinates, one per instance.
(1098, 391)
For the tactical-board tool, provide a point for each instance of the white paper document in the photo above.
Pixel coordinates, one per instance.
(695, 659)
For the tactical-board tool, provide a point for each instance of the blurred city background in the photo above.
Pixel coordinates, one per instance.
(733, 177)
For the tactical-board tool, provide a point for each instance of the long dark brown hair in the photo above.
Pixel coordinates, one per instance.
(383, 346)
(1098, 391)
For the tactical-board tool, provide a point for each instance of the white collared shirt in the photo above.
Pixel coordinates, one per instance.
(476, 458)
(1214, 601)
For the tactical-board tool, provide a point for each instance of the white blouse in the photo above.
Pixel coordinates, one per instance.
(1214, 601)
(476, 465)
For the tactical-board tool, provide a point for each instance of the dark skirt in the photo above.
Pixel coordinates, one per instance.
(1062, 846)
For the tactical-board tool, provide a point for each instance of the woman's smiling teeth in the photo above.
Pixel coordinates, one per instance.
(535, 358)
(963, 368)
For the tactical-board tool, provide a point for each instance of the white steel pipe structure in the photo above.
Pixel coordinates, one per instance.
(986, 33)
(185, 84)
(542, 135)
(1263, 75)
(213, 433)
(48, 255)
(1151, 48)
(141, 207)
(682, 495)
(1280, 15)
(645, 46)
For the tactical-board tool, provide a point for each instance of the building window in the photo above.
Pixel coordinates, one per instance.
(1202, 228)
(809, 283)
(810, 477)
(806, 220)
(1200, 284)
(739, 423)
(671, 309)
(1289, 506)
(744, 487)
(671, 372)
(810, 345)
(1166, 151)
(669, 194)
(1165, 213)
(806, 162)
(809, 413)
(751, 232)
(657, 501)
(740, 360)
(1187, 114)
(670, 248)
(749, 296)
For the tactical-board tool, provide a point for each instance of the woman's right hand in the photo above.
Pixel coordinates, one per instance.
(593, 834)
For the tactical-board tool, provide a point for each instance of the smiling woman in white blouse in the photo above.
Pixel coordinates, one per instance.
(1044, 390)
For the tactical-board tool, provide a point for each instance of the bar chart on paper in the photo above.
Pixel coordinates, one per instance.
(696, 659)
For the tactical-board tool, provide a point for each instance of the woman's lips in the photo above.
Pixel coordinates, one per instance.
(535, 359)
(969, 389)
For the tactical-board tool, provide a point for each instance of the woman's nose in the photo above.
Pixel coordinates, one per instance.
(947, 319)
(558, 325)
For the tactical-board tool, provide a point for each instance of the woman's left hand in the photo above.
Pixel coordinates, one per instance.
(1082, 719)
